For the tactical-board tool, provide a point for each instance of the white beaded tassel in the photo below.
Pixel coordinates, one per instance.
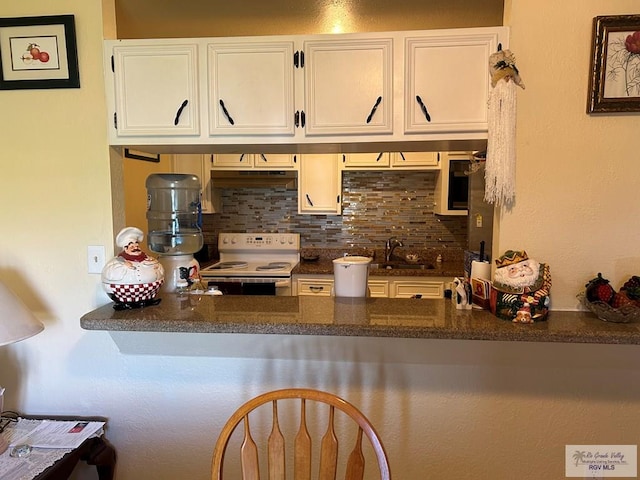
(500, 169)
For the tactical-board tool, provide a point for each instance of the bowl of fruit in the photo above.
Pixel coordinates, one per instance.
(622, 306)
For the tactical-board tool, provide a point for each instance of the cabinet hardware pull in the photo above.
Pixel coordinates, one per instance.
(344, 158)
(402, 156)
(226, 113)
(308, 199)
(179, 112)
(313, 288)
(423, 107)
(263, 157)
(373, 110)
(298, 59)
(242, 157)
(302, 119)
(379, 157)
(295, 159)
(296, 118)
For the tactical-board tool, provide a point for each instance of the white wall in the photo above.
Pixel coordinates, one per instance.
(454, 410)
(577, 175)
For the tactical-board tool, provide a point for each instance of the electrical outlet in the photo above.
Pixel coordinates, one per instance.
(95, 258)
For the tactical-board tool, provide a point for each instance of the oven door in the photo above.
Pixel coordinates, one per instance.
(252, 286)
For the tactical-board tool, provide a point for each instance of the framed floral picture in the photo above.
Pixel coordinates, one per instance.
(614, 81)
(38, 52)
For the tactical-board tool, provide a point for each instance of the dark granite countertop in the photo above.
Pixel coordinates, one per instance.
(368, 317)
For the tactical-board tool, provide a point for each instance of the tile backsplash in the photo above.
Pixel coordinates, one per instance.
(375, 206)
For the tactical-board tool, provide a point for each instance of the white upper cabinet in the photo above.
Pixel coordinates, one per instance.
(250, 88)
(348, 86)
(320, 184)
(416, 160)
(251, 161)
(447, 82)
(156, 89)
(300, 93)
(365, 161)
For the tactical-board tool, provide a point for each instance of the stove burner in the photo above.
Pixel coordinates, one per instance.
(229, 265)
(274, 266)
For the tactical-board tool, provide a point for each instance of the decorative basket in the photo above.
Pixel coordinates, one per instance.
(605, 312)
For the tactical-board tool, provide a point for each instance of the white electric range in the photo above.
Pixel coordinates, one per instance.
(254, 263)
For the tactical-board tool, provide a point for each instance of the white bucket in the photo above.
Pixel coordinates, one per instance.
(350, 275)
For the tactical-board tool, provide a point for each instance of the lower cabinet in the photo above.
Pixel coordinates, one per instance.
(399, 287)
(416, 288)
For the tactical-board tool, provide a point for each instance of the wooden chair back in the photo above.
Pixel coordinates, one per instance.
(302, 443)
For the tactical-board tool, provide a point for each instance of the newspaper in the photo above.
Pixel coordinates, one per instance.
(58, 434)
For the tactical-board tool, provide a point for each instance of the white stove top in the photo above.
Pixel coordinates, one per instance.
(255, 255)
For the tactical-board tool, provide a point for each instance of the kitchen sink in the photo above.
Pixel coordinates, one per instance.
(402, 266)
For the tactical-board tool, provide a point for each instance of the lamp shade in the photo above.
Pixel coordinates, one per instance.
(16, 320)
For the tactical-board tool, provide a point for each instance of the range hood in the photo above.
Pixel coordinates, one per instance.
(255, 179)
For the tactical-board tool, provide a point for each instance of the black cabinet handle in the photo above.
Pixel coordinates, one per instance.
(308, 199)
(179, 112)
(302, 119)
(241, 157)
(263, 157)
(379, 157)
(298, 59)
(402, 156)
(296, 119)
(226, 113)
(423, 107)
(373, 110)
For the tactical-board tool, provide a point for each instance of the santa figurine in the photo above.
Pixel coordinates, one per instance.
(521, 288)
(132, 278)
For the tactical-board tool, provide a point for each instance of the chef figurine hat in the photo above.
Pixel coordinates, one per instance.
(128, 235)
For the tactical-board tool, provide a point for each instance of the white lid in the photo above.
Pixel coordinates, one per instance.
(352, 260)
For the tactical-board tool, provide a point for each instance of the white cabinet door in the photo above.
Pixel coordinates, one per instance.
(366, 161)
(447, 82)
(199, 165)
(254, 161)
(279, 161)
(417, 289)
(348, 86)
(416, 160)
(320, 184)
(156, 90)
(251, 90)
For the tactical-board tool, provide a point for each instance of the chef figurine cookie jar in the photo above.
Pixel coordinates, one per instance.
(132, 278)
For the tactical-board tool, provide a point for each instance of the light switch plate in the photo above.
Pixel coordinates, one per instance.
(95, 258)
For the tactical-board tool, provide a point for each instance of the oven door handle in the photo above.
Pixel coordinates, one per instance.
(282, 283)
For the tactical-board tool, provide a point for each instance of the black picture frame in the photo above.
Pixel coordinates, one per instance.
(138, 155)
(38, 53)
(614, 80)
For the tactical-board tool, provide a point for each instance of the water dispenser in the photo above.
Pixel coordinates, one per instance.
(174, 221)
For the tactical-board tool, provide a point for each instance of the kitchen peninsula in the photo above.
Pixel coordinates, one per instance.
(363, 317)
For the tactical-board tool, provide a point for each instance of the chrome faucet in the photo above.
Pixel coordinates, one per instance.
(390, 246)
